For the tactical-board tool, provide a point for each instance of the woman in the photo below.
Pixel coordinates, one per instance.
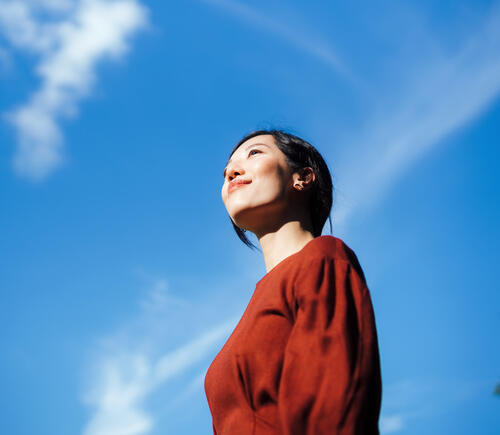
(304, 357)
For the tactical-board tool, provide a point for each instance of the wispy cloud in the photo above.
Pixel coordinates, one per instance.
(450, 93)
(70, 38)
(307, 43)
(120, 388)
(391, 423)
(126, 370)
(414, 400)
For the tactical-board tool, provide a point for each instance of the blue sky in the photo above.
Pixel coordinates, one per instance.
(121, 276)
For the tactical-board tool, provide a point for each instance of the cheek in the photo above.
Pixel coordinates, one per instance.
(273, 176)
(268, 169)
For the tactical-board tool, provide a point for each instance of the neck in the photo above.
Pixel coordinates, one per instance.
(290, 238)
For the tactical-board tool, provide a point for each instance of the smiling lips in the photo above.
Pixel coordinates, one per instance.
(235, 184)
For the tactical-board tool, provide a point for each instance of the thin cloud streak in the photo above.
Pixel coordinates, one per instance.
(415, 400)
(70, 47)
(316, 48)
(451, 93)
(125, 381)
(179, 360)
(125, 374)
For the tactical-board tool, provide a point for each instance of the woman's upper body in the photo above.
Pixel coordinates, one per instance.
(304, 357)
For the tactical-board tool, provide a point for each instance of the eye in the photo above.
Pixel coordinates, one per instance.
(251, 151)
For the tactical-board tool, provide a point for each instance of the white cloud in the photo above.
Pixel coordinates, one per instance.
(21, 29)
(126, 370)
(70, 46)
(124, 380)
(122, 383)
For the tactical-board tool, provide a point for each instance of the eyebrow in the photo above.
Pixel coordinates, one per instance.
(246, 149)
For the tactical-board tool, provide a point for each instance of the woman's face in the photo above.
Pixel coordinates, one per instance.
(268, 184)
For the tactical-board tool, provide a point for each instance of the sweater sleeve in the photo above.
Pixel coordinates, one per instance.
(330, 381)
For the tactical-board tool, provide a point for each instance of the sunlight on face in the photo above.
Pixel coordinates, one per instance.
(268, 180)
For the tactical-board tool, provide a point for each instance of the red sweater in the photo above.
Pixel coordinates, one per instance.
(303, 359)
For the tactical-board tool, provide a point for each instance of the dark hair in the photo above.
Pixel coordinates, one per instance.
(300, 154)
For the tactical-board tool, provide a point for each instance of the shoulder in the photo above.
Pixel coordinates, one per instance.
(328, 271)
(329, 249)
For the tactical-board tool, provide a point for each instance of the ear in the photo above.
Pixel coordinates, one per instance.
(304, 178)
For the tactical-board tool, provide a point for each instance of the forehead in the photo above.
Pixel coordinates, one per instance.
(263, 139)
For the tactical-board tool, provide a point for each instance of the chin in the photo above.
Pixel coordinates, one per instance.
(242, 217)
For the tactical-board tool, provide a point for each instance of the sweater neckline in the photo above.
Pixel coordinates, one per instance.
(290, 257)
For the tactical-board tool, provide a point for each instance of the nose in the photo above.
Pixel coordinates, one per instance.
(233, 170)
